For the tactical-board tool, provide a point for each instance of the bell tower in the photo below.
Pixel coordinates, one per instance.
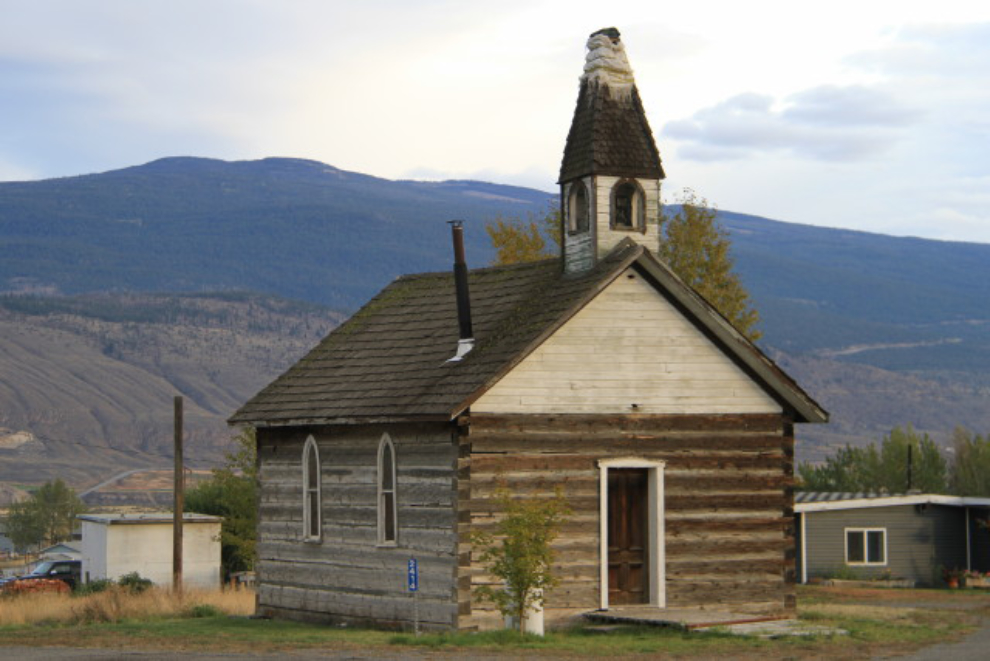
(611, 172)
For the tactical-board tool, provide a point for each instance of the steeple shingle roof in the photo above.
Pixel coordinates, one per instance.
(609, 133)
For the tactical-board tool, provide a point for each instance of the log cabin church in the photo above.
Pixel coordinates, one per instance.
(601, 372)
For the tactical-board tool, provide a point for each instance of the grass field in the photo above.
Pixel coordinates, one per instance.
(878, 621)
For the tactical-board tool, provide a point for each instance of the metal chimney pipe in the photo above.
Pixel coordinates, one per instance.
(461, 281)
(466, 342)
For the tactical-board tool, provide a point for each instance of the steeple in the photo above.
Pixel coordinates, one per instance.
(611, 172)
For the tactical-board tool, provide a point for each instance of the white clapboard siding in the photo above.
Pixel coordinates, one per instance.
(608, 238)
(627, 351)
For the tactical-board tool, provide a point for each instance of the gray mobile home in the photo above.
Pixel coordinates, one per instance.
(909, 536)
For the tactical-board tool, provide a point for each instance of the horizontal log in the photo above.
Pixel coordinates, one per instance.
(723, 546)
(372, 609)
(685, 567)
(724, 525)
(548, 463)
(381, 580)
(589, 422)
(732, 481)
(352, 555)
(625, 443)
(426, 539)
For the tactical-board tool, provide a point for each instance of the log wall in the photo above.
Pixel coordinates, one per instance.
(728, 503)
(347, 577)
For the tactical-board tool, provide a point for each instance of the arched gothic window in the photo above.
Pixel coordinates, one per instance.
(387, 510)
(628, 206)
(311, 490)
(577, 208)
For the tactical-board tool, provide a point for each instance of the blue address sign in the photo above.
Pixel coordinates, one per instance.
(413, 575)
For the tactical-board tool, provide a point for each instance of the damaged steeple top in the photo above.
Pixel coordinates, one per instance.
(609, 134)
(606, 63)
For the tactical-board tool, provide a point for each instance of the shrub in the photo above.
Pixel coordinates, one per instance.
(95, 587)
(134, 582)
(845, 573)
(520, 553)
(205, 610)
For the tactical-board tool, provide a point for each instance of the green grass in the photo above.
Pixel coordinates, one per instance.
(874, 619)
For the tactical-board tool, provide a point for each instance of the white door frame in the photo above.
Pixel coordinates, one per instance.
(655, 533)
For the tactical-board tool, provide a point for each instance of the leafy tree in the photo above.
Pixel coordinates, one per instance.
(693, 243)
(838, 472)
(970, 474)
(232, 493)
(873, 469)
(696, 247)
(520, 552)
(46, 518)
(518, 240)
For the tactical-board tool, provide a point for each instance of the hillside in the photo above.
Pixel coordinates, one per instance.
(881, 330)
(87, 383)
(299, 229)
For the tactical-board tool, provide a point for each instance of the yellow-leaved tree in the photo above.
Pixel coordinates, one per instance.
(518, 240)
(693, 243)
(696, 247)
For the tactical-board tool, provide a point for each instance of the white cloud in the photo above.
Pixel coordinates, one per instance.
(828, 123)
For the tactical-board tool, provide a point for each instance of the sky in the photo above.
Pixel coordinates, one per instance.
(870, 115)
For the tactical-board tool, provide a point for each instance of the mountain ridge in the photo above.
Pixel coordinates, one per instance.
(846, 310)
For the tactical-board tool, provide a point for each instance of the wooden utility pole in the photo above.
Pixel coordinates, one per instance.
(179, 501)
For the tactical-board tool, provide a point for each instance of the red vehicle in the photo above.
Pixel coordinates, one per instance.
(67, 571)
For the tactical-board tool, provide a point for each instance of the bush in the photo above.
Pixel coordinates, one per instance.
(135, 582)
(94, 587)
(205, 610)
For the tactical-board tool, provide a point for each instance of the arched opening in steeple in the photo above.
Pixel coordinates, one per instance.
(578, 208)
(628, 206)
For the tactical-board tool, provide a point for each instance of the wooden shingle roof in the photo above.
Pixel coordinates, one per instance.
(389, 361)
(610, 135)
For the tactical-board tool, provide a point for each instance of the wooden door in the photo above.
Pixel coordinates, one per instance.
(628, 532)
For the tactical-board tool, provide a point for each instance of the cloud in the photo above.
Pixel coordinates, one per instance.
(946, 51)
(827, 123)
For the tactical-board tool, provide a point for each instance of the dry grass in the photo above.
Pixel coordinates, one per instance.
(864, 612)
(119, 604)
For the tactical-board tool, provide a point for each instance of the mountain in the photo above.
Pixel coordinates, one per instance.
(87, 382)
(899, 303)
(300, 229)
(882, 330)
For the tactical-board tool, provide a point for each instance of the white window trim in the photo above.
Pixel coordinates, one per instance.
(865, 562)
(387, 441)
(311, 449)
(655, 521)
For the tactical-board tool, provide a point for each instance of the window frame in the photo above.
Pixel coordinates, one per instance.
(312, 496)
(577, 223)
(384, 495)
(865, 533)
(637, 207)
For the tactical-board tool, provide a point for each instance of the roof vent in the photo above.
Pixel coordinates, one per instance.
(466, 341)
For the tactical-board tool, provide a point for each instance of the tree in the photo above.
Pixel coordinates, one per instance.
(520, 552)
(696, 247)
(970, 474)
(232, 493)
(872, 469)
(46, 518)
(518, 240)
